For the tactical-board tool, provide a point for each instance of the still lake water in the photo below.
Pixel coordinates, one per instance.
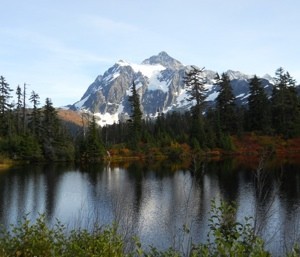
(155, 201)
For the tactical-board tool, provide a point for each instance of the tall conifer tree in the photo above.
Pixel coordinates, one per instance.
(5, 106)
(136, 117)
(285, 105)
(19, 108)
(94, 149)
(195, 87)
(50, 130)
(35, 117)
(226, 105)
(195, 84)
(259, 114)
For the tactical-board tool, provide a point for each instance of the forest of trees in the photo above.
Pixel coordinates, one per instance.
(206, 127)
(37, 134)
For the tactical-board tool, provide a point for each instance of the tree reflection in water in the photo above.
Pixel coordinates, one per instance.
(155, 200)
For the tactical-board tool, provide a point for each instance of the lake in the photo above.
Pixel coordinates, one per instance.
(154, 200)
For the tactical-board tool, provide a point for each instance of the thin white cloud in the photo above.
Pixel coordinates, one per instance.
(108, 25)
(52, 68)
(44, 45)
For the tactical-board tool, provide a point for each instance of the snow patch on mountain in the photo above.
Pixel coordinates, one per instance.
(137, 87)
(111, 77)
(240, 95)
(156, 82)
(182, 98)
(146, 69)
(245, 96)
(106, 118)
(212, 96)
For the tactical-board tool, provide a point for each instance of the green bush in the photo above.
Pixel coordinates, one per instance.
(29, 240)
(227, 237)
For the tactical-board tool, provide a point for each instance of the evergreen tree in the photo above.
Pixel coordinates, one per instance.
(5, 106)
(50, 120)
(259, 107)
(285, 105)
(195, 83)
(35, 117)
(93, 149)
(24, 123)
(19, 108)
(56, 142)
(226, 107)
(50, 130)
(136, 117)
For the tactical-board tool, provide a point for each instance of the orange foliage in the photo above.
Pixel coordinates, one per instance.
(70, 116)
(252, 144)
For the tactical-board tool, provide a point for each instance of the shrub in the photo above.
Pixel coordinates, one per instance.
(29, 240)
(227, 237)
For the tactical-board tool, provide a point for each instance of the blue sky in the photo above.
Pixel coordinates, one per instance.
(58, 47)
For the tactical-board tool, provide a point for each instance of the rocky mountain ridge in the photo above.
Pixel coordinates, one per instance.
(160, 84)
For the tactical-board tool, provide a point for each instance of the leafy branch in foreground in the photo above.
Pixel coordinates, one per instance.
(227, 237)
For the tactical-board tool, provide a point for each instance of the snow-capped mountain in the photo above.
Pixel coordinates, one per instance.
(160, 83)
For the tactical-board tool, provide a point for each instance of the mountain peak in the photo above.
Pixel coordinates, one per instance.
(160, 82)
(165, 60)
(237, 75)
